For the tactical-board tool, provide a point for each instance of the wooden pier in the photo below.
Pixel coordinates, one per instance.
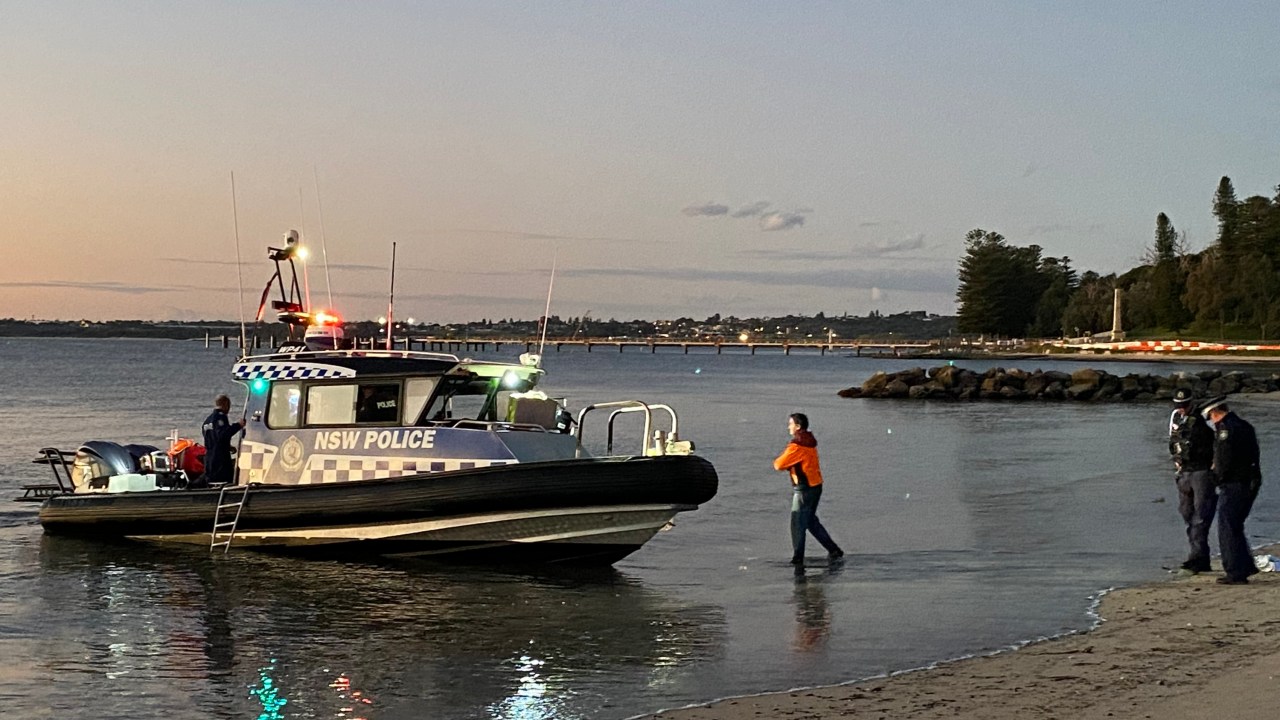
(652, 345)
(465, 345)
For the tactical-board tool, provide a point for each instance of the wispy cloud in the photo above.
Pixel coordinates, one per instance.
(798, 255)
(356, 267)
(767, 220)
(752, 210)
(446, 297)
(781, 220)
(107, 287)
(888, 247)
(708, 209)
(522, 235)
(914, 280)
(1055, 228)
(884, 249)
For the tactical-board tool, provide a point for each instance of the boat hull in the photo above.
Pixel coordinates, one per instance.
(592, 511)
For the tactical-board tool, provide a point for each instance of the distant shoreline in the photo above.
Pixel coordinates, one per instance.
(926, 358)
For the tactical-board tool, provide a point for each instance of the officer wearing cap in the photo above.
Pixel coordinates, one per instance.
(1191, 445)
(1238, 475)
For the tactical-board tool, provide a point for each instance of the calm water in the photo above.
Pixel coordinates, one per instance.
(969, 528)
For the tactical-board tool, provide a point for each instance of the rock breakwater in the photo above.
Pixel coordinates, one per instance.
(949, 382)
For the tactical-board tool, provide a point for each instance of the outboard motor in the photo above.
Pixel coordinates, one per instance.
(97, 460)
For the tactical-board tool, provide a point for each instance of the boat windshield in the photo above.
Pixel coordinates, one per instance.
(462, 398)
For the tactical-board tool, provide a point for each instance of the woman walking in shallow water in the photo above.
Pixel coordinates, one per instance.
(800, 459)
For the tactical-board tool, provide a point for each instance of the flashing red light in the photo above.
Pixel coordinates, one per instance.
(327, 317)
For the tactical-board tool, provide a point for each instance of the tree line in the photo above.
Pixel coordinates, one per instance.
(1228, 290)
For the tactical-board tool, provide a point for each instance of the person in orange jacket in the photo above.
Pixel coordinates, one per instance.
(800, 460)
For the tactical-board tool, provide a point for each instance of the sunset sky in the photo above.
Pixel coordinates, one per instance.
(676, 158)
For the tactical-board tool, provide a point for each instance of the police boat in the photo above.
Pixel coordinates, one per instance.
(398, 453)
(395, 453)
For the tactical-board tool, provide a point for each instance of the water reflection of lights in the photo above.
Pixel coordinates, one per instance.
(534, 698)
(355, 698)
(268, 694)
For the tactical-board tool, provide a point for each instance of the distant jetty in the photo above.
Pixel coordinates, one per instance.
(949, 382)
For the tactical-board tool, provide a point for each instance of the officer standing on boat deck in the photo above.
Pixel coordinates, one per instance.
(1191, 445)
(1238, 476)
(218, 431)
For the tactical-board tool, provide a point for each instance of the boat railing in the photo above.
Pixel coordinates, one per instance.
(57, 461)
(621, 407)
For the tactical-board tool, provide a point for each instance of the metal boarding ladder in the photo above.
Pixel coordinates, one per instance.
(227, 528)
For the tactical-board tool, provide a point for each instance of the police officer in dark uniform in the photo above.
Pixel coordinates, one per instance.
(218, 432)
(1191, 445)
(1239, 476)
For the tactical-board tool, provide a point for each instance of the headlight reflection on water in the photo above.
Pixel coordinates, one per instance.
(535, 698)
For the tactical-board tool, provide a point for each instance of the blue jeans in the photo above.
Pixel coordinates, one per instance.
(804, 518)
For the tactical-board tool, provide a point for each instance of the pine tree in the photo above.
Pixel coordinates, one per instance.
(1000, 285)
(1226, 208)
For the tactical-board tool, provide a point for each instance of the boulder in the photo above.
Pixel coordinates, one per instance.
(1086, 376)
(1081, 391)
(875, 384)
(896, 389)
(1057, 376)
(1035, 385)
(945, 375)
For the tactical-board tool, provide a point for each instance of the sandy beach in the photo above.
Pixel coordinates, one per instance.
(1182, 649)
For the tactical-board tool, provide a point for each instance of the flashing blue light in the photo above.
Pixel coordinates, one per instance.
(259, 385)
(268, 693)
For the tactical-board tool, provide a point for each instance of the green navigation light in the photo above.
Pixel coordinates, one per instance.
(259, 385)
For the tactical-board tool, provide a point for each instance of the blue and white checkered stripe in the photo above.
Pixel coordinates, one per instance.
(255, 460)
(344, 468)
(289, 371)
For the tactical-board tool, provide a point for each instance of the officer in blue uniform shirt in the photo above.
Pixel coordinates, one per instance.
(1191, 445)
(218, 432)
(1238, 476)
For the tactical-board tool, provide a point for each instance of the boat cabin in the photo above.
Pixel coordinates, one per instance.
(340, 415)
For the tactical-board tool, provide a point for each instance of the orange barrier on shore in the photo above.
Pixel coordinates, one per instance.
(1168, 346)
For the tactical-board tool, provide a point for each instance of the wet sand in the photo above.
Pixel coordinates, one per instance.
(1183, 649)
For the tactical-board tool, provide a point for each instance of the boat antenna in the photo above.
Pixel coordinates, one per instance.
(235, 223)
(306, 276)
(391, 299)
(546, 314)
(324, 250)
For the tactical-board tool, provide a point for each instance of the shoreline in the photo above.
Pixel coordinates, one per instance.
(1182, 649)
